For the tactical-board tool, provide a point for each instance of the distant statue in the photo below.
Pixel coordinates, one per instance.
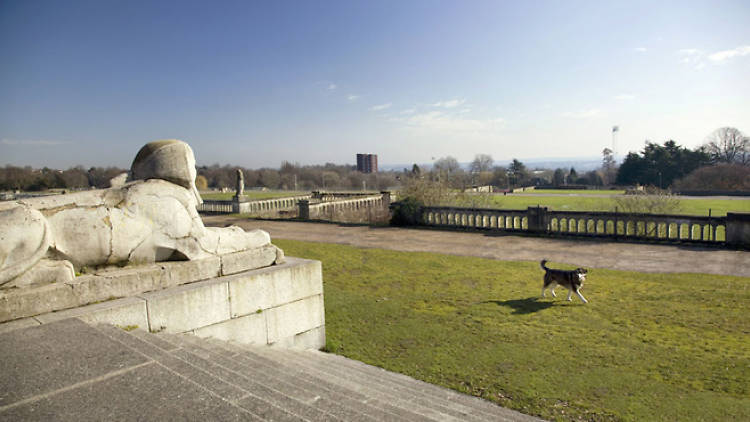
(150, 218)
(240, 188)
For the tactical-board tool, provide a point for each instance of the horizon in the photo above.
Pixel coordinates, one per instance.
(255, 84)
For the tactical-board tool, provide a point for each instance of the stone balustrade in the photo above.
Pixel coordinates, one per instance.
(212, 206)
(271, 205)
(733, 229)
(329, 209)
(262, 206)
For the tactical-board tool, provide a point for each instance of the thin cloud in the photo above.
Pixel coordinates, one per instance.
(624, 97)
(332, 87)
(688, 51)
(439, 121)
(444, 122)
(583, 114)
(381, 107)
(640, 49)
(32, 143)
(449, 103)
(352, 97)
(722, 56)
(409, 111)
(692, 57)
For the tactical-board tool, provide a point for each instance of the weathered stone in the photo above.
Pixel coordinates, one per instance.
(51, 356)
(293, 318)
(188, 307)
(24, 239)
(45, 270)
(268, 287)
(128, 312)
(182, 272)
(82, 235)
(151, 218)
(116, 284)
(20, 303)
(236, 262)
(312, 339)
(18, 324)
(248, 329)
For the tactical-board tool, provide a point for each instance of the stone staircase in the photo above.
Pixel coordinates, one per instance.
(180, 376)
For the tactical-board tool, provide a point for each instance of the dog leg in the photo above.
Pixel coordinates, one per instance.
(581, 296)
(552, 289)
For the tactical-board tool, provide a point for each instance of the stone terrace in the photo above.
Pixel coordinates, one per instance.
(70, 371)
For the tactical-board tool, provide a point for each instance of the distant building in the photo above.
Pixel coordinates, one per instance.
(367, 163)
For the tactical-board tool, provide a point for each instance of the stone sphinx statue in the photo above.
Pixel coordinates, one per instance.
(150, 218)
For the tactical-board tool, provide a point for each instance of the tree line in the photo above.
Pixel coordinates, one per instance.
(721, 163)
(288, 177)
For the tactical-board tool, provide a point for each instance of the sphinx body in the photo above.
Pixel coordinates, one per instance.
(150, 218)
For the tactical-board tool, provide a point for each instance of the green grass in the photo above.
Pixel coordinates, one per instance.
(252, 195)
(718, 207)
(576, 191)
(645, 347)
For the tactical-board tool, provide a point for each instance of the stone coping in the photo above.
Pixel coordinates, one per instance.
(281, 305)
(115, 283)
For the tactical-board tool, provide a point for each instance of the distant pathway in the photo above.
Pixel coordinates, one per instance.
(586, 253)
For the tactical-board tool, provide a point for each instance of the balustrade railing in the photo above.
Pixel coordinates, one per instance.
(580, 223)
(251, 207)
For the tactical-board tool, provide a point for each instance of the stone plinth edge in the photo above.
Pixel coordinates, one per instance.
(115, 283)
(281, 305)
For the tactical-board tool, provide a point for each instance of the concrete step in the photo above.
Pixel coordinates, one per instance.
(446, 401)
(396, 394)
(408, 405)
(262, 402)
(477, 406)
(304, 385)
(70, 371)
(244, 360)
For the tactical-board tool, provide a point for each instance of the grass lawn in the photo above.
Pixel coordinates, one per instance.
(577, 191)
(718, 207)
(252, 195)
(646, 346)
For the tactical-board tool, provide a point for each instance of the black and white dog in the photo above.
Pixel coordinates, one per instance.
(571, 280)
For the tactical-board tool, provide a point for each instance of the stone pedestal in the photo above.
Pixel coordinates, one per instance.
(280, 305)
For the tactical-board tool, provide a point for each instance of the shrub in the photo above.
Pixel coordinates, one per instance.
(406, 212)
(718, 177)
(650, 201)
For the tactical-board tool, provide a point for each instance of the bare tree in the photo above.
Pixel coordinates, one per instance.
(448, 170)
(481, 169)
(728, 145)
(482, 162)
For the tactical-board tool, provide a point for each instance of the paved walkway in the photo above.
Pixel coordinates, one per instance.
(586, 253)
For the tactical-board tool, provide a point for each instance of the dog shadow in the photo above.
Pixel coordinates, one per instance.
(523, 306)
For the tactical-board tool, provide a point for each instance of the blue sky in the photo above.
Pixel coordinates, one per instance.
(253, 83)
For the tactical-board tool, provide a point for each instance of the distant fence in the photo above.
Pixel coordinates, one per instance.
(733, 229)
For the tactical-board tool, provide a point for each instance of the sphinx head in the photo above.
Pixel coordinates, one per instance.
(171, 160)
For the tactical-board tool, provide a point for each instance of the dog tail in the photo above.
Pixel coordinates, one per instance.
(544, 267)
